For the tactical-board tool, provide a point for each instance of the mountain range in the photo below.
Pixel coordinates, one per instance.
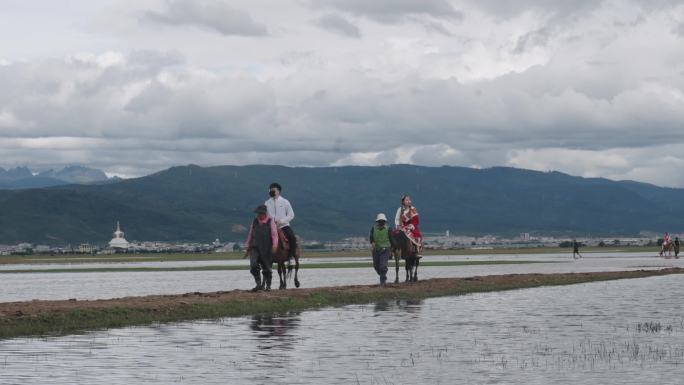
(202, 203)
(22, 177)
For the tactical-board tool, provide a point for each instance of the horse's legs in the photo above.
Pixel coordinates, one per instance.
(282, 275)
(408, 259)
(396, 266)
(411, 262)
(415, 272)
(296, 280)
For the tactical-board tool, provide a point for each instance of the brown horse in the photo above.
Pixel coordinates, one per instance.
(669, 248)
(282, 255)
(404, 248)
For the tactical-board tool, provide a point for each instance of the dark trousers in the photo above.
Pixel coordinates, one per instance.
(292, 240)
(380, 259)
(260, 262)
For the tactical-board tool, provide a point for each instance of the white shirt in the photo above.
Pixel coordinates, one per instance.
(280, 210)
(397, 219)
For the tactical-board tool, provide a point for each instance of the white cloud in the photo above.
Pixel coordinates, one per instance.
(393, 10)
(655, 164)
(338, 24)
(213, 15)
(528, 84)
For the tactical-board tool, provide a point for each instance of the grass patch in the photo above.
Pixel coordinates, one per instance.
(40, 318)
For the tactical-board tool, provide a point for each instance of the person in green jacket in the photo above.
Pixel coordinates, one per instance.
(381, 246)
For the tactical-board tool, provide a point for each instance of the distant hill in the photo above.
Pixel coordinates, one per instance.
(196, 203)
(76, 174)
(23, 178)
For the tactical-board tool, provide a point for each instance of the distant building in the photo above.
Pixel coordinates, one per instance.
(42, 249)
(119, 242)
(85, 248)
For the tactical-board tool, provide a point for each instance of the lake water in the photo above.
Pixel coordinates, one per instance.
(617, 332)
(28, 286)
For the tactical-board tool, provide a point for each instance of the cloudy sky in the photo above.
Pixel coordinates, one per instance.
(587, 87)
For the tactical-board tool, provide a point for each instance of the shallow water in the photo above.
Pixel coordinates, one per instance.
(244, 262)
(28, 286)
(617, 332)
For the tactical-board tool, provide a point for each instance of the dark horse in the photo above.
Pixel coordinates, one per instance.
(404, 248)
(281, 256)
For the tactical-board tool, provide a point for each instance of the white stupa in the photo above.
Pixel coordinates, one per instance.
(118, 242)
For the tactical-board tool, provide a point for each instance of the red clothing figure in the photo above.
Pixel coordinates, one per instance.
(410, 220)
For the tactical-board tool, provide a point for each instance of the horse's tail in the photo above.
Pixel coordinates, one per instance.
(298, 252)
(289, 270)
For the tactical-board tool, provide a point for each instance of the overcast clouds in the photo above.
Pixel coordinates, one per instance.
(592, 88)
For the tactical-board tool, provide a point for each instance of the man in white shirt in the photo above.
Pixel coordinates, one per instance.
(280, 209)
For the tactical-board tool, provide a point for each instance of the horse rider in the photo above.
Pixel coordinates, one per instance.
(262, 242)
(408, 220)
(281, 211)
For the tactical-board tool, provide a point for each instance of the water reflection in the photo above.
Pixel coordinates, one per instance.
(276, 331)
(278, 325)
(408, 306)
(619, 332)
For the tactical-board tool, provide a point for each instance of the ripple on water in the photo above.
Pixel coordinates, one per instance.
(617, 332)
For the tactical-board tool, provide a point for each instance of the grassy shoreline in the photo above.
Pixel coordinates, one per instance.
(162, 257)
(331, 265)
(40, 318)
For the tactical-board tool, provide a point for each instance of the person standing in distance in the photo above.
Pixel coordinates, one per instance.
(280, 209)
(575, 249)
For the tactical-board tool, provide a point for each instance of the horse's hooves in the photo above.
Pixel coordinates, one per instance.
(297, 284)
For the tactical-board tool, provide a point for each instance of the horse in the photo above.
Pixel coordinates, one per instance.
(402, 246)
(669, 247)
(282, 255)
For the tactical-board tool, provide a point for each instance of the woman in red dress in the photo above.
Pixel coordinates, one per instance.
(408, 222)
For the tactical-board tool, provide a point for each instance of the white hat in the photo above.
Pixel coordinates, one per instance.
(381, 217)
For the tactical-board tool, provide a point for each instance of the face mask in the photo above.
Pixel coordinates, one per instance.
(272, 193)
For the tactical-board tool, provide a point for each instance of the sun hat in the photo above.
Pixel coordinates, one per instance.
(381, 217)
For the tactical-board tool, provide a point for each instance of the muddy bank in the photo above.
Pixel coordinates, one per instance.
(64, 317)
